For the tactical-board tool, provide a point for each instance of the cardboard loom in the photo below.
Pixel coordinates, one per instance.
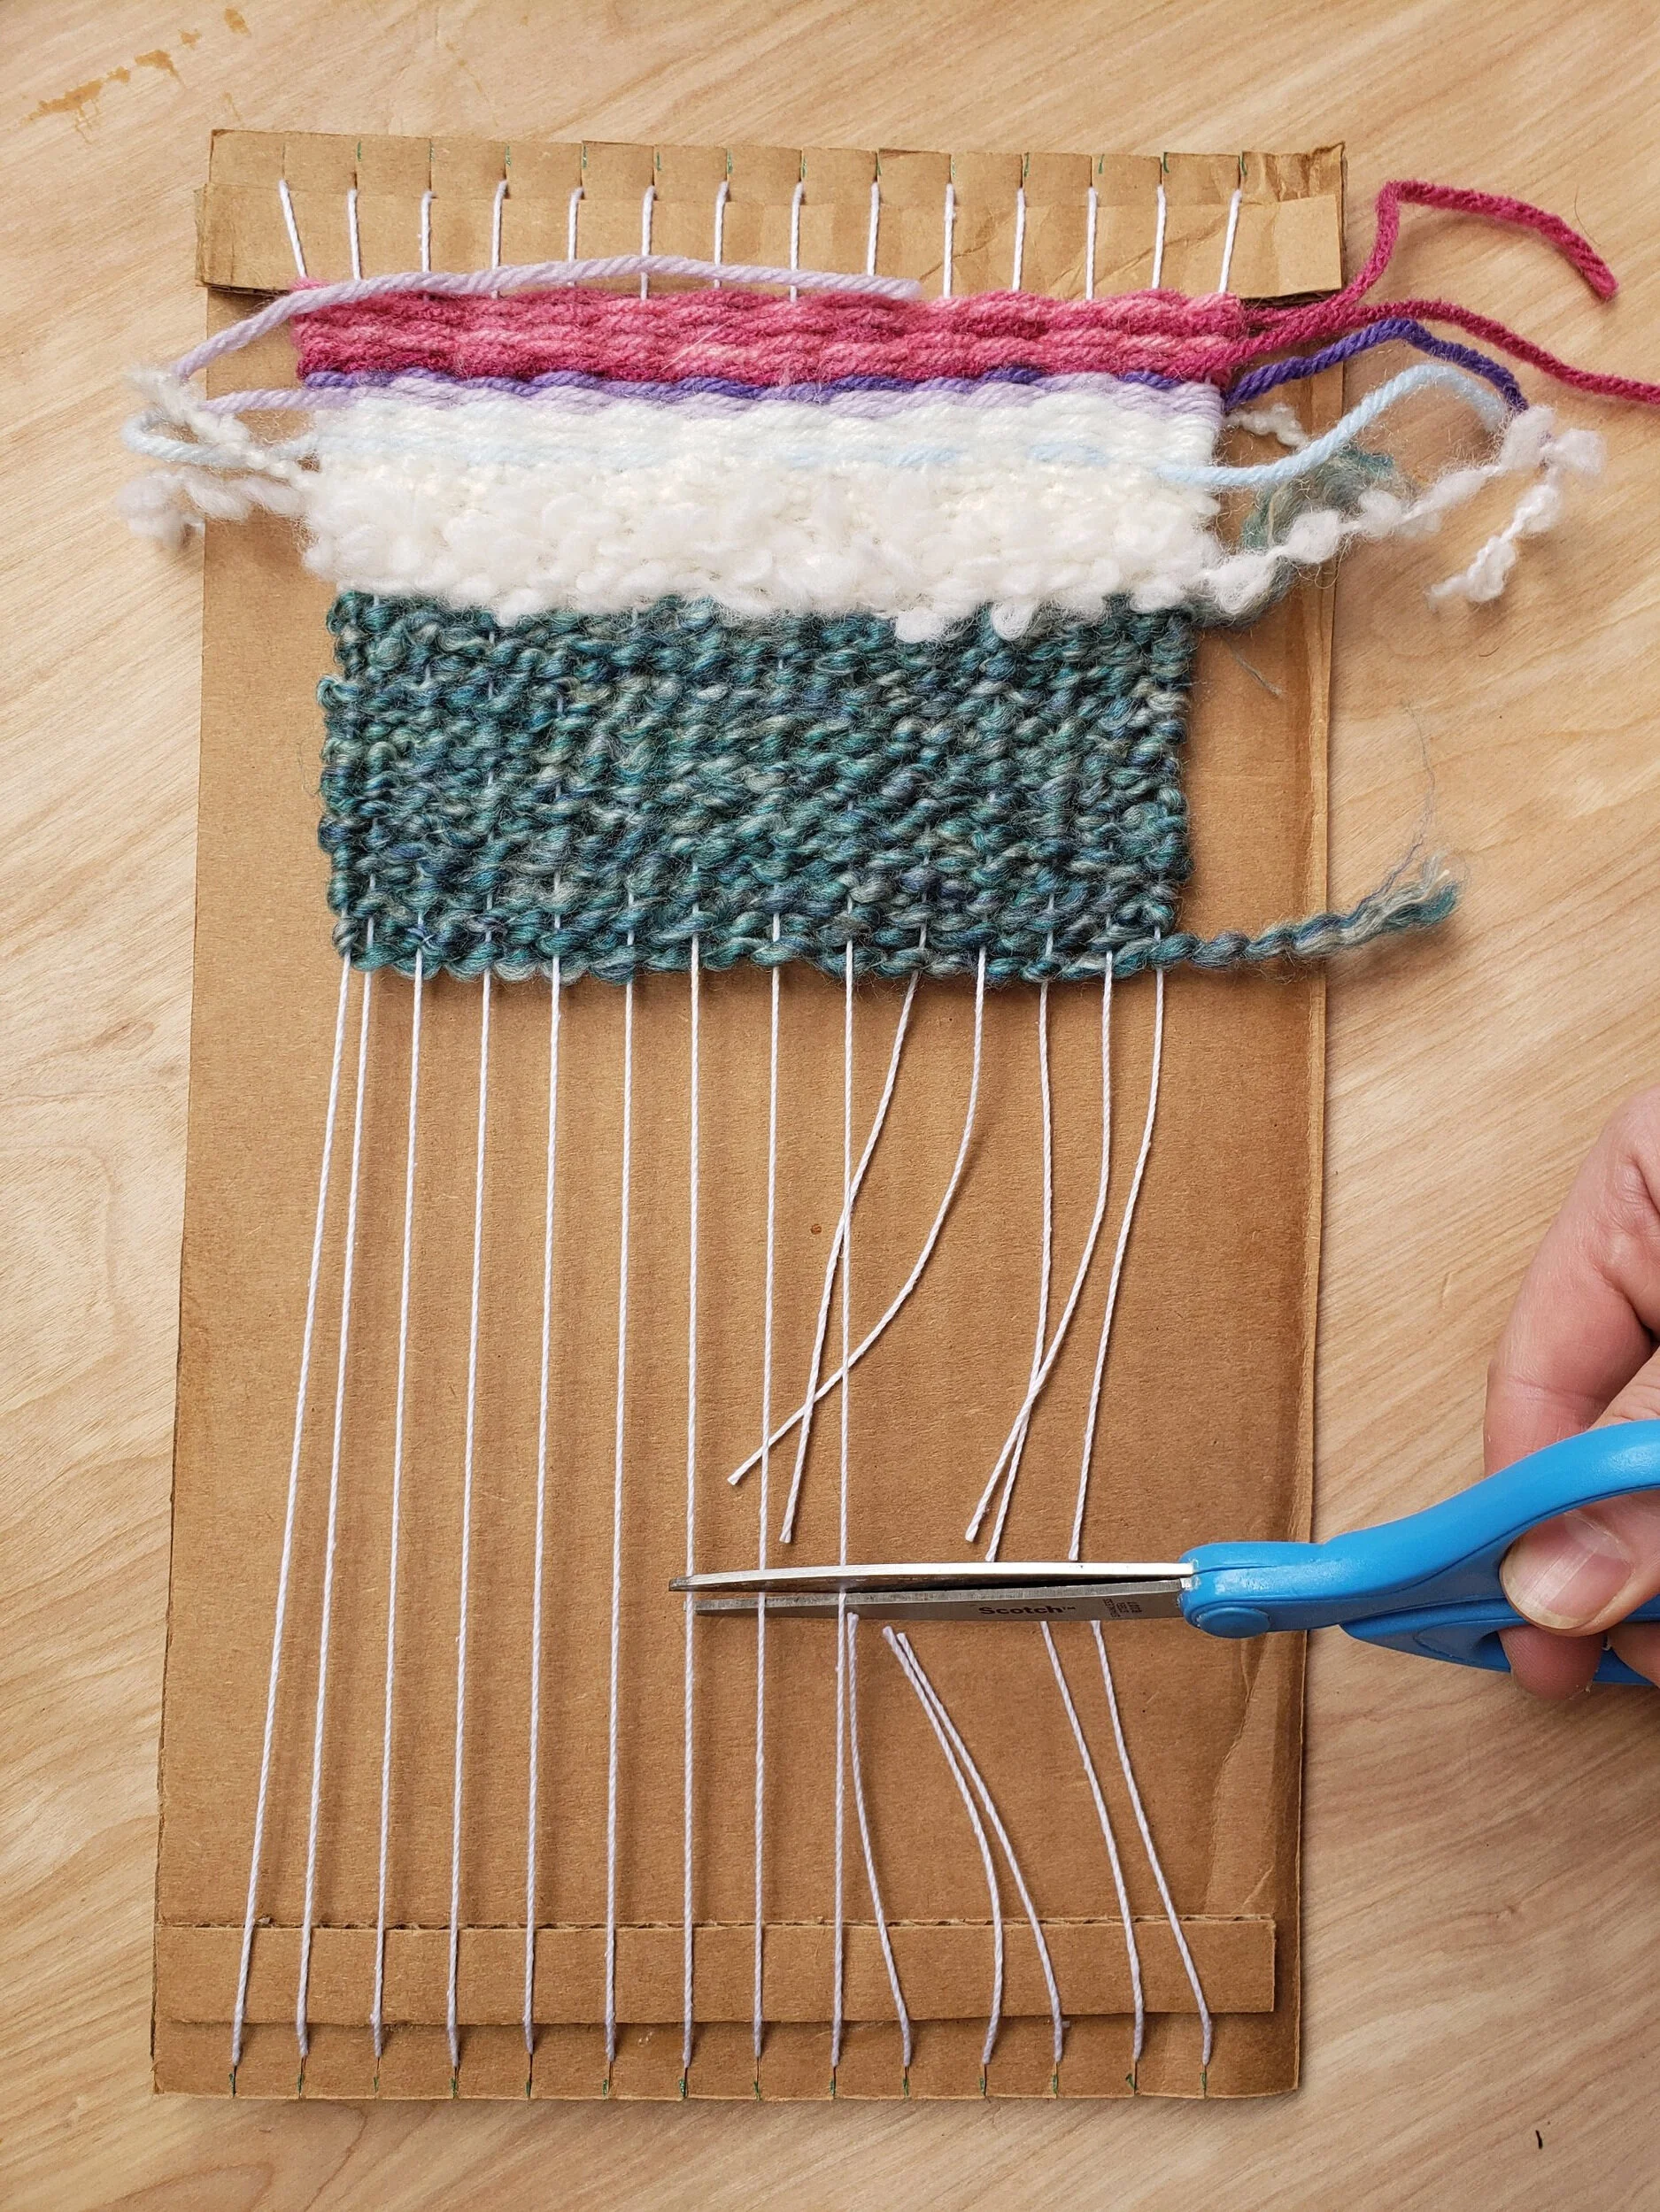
(1206, 1426)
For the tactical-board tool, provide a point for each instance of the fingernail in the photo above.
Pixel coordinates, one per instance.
(1568, 1574)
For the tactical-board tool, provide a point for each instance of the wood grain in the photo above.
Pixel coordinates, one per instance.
(1480, 1873)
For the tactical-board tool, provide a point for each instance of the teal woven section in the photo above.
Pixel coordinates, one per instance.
(602, 790)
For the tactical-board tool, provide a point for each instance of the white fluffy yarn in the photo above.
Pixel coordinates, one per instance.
(925, 516)
(924, 508)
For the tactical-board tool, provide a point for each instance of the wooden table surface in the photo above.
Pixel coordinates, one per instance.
(1483, 1875)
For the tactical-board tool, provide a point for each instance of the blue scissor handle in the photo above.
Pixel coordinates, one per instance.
(1429, 1583)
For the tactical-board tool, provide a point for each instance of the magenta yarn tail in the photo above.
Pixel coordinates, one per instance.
(1490, 207)
(1276, 328)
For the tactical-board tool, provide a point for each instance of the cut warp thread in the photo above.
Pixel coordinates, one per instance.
(797, 618)
(959, 1758)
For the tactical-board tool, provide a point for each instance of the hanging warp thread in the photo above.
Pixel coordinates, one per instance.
(797, 618)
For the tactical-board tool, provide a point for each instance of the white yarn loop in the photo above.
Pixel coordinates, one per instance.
(1277, 421)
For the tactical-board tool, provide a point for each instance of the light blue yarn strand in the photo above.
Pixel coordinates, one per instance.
(1486, 403)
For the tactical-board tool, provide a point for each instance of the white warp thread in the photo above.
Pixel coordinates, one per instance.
(833, 1264)
(285, 201)
(239, 2012)
(921, 1682)
(1120, 1892)
(830, 1382)
(1126, 1222)
(1228, 240)
(1172, 1917)
(924, 1698)
(1034, 1390)
(1074, 1550)
(624, 1210)
(377, 2013)
(838, 1992)
(1045, 1263)
(451, 2008)
(767, 1317)
(325, 1633)
(688, 1685)
(539, 1540)
(869, 1848)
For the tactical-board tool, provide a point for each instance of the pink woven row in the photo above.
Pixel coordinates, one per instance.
(754, 338)
(762, 339)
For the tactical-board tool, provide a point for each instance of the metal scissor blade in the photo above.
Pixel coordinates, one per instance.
(976, 1589)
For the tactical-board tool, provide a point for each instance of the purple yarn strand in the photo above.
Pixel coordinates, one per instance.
(718, 387)
(1259, 380)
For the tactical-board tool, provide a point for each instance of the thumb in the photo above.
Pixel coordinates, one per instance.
(1588, 1568)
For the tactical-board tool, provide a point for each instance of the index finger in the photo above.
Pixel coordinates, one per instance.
(1588, 1310)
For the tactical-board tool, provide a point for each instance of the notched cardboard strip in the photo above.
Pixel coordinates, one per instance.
(1287, 242)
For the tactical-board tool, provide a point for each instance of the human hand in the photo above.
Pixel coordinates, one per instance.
(1579, 1350)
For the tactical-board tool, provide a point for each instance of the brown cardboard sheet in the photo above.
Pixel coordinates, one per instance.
(1206, 1419)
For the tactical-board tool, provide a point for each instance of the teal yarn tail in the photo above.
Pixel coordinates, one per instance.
(605, 791)
(1409, 898)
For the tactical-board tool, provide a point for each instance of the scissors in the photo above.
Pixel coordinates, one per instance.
(1427, 1584)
